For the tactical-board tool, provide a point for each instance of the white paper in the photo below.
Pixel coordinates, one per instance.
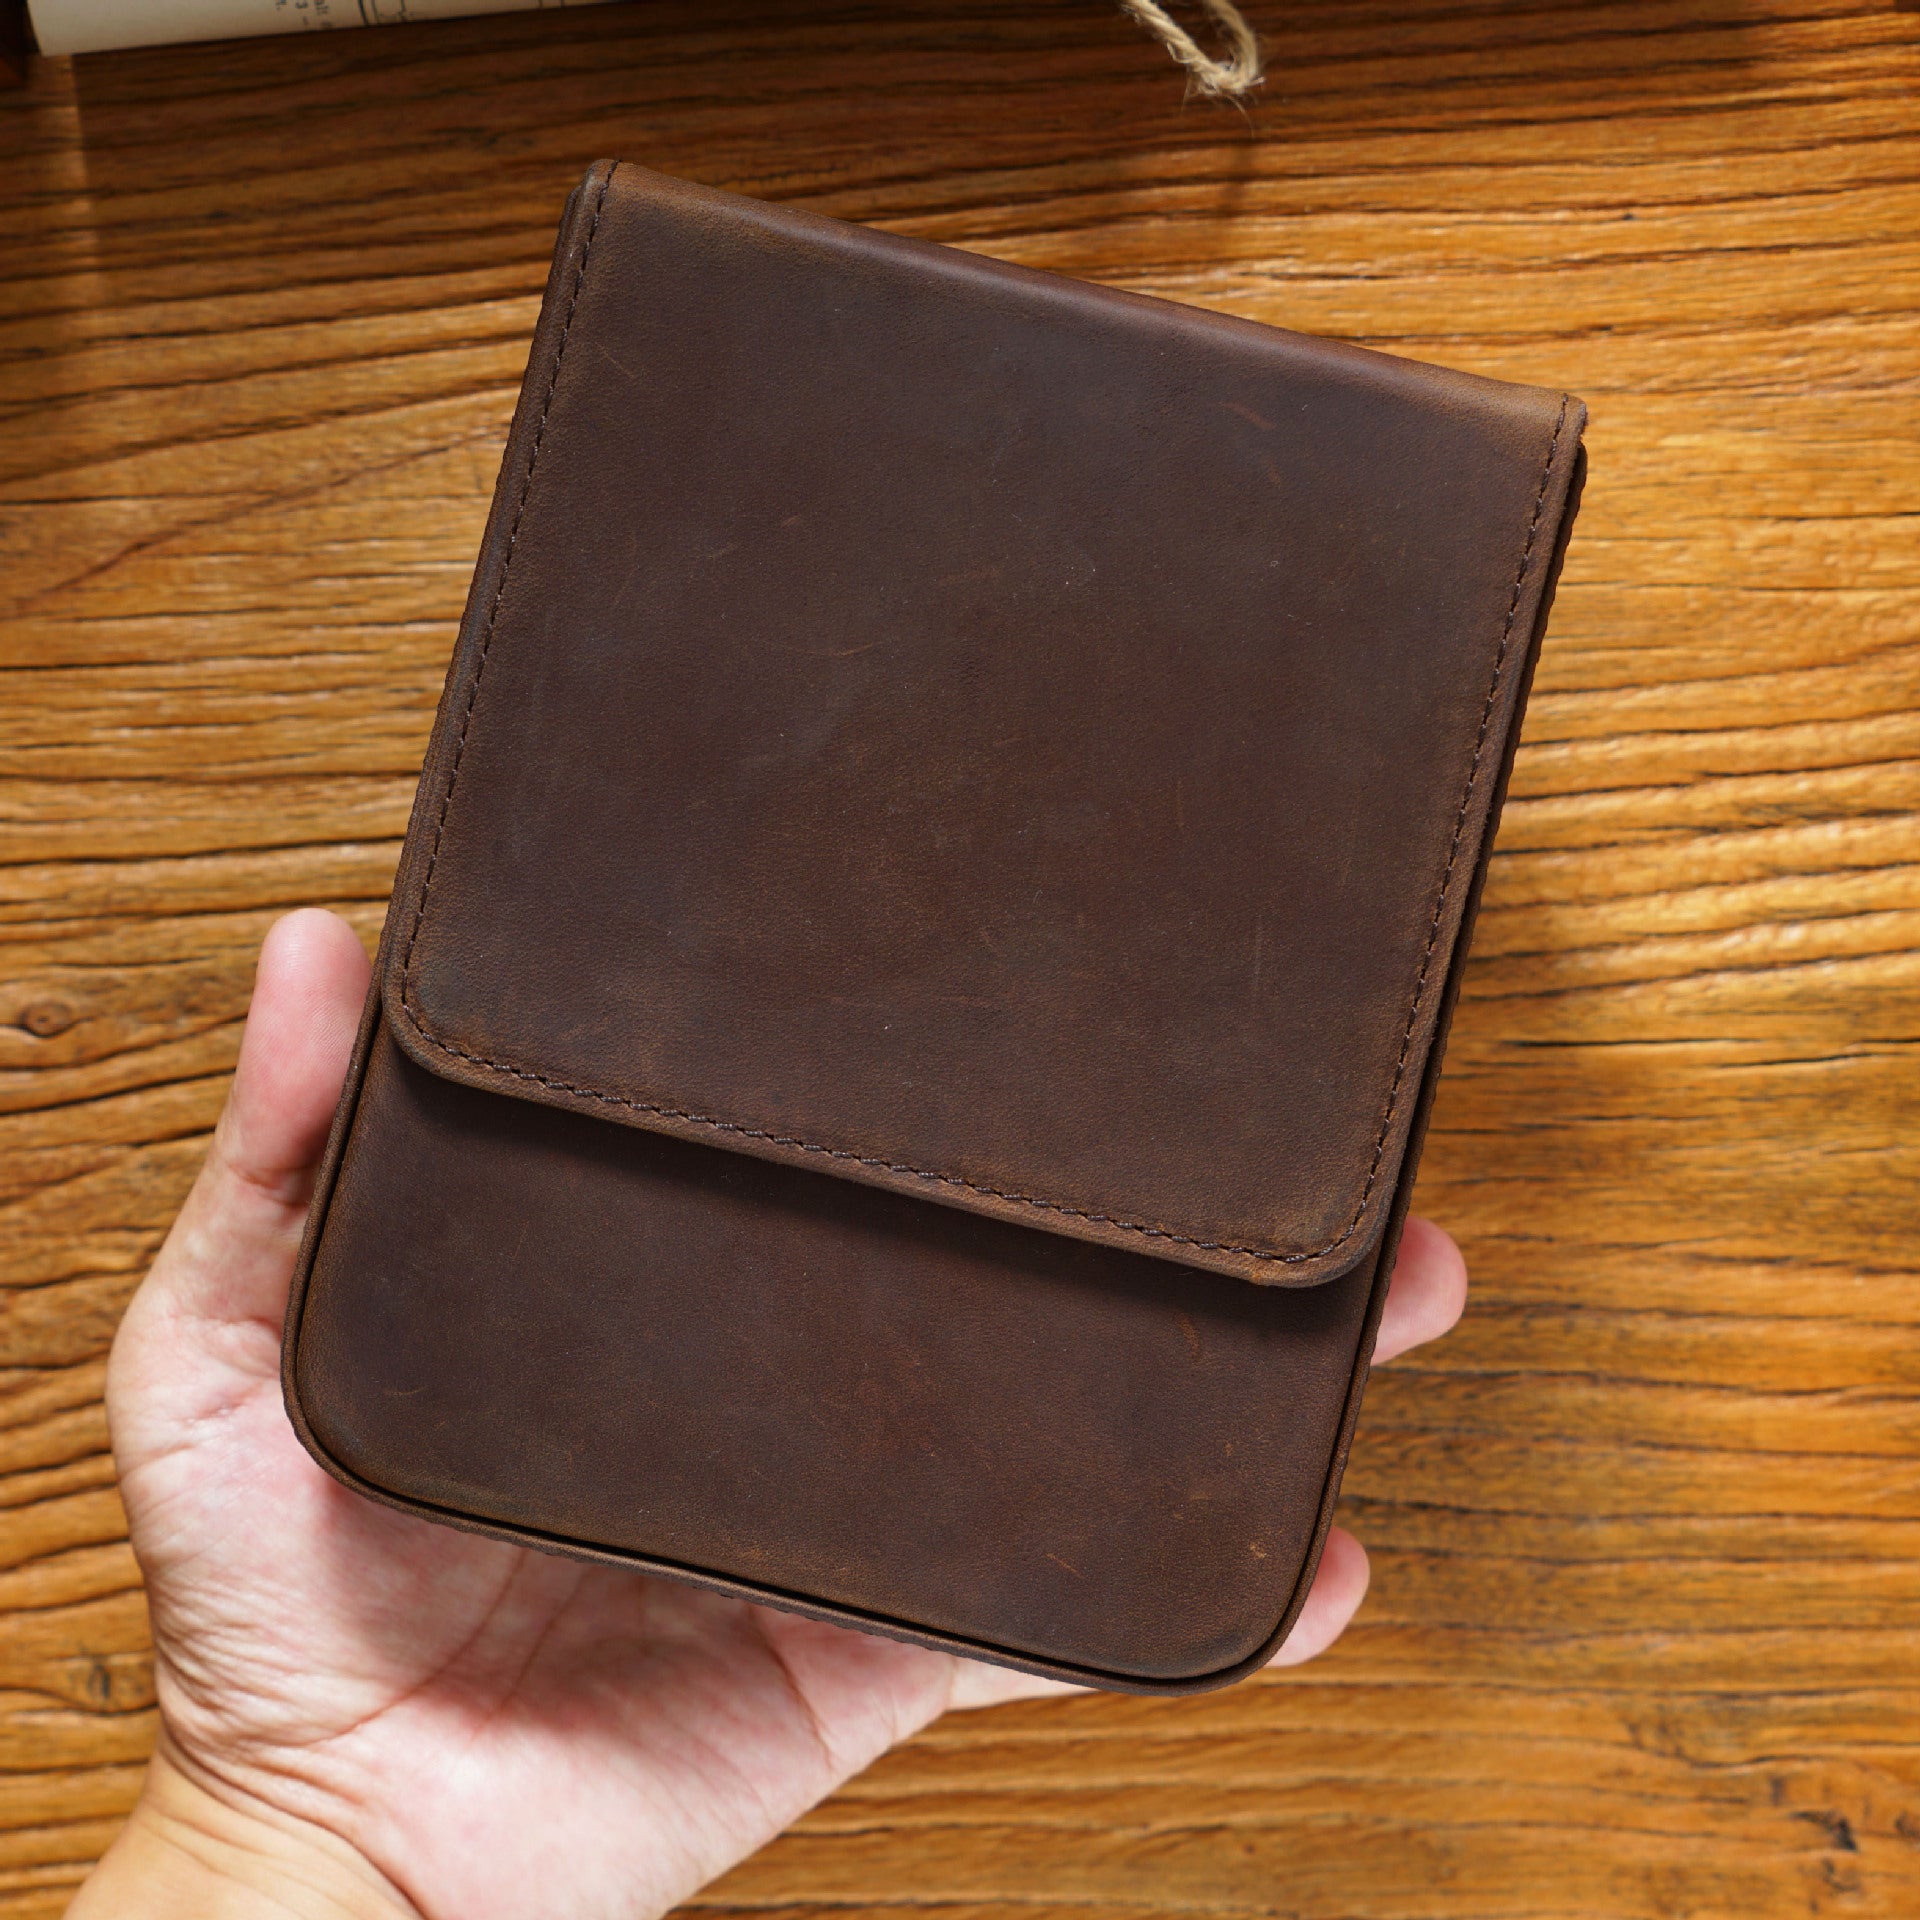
(92, 26)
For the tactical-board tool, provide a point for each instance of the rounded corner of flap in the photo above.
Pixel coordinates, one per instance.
(1353, 1246)
(407, 1027)
(1326, 1268)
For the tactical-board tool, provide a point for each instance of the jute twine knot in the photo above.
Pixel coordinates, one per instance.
(1229, 79)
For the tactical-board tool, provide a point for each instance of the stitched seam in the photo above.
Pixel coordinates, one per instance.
(1141, 1228)
(493, 612)
(1459, 827)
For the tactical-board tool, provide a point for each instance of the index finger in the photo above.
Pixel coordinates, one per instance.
(1428, 1291)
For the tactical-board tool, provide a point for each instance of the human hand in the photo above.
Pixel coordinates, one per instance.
(364, 1714)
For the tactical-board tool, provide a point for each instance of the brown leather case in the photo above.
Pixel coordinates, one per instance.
(920, 960)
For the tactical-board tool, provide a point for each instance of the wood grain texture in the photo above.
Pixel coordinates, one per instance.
(1644, 1638)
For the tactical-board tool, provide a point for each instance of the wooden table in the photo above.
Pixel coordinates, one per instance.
(1644, 1637)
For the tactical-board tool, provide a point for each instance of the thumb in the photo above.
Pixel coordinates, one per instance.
(225, 1267)
(307, 995)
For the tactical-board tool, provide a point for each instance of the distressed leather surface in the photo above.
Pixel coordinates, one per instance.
(997, 738)
(703, 1359)
(945, 853)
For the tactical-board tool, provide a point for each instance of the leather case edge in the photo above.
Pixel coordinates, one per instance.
(1561, 487)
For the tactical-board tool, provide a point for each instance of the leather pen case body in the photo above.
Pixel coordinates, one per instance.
(918, 968)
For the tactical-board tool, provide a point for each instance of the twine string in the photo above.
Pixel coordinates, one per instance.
(1231, 78)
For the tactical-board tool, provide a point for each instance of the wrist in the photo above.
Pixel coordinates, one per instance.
(189, 1852)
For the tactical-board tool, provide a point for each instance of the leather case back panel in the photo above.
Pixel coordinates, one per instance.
(845, 1395)
(945, 855)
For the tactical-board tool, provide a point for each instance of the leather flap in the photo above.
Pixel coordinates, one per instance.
(975, 733)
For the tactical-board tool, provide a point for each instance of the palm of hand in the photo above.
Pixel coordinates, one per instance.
(484, 1723)
(497, 1731)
